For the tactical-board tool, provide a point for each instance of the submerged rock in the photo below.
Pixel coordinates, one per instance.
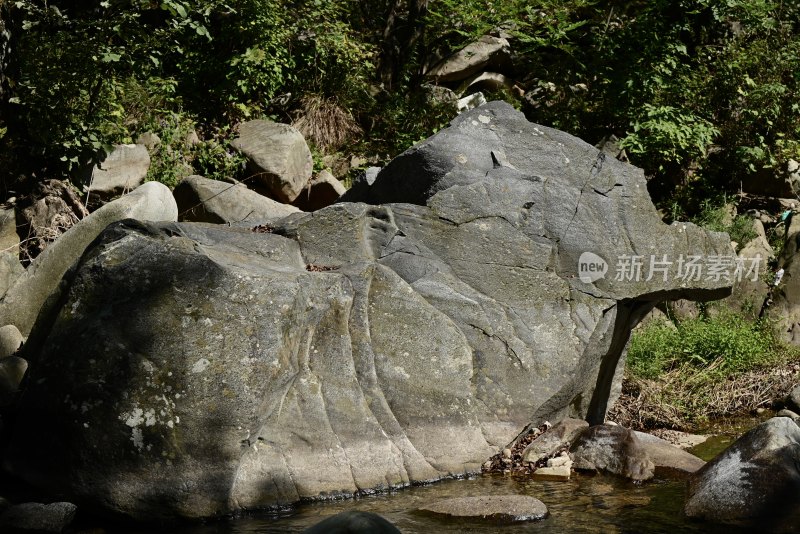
(495, 507)
(353, 522)
(756, 479)
(356, 347)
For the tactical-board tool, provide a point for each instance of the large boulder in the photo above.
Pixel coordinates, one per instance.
(278, 157)
(202, 200)
(755, 479)
(355, 347)
(22, 302)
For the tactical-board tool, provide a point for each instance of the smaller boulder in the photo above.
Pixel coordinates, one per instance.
(554, 472)
(123, 170)
(36, 517)
(756, 478)
(10, 340)
(203, 200)
(323, 190)
(353, 522)
(669, 460)
(793, 401)
(511, 508)
(278, 157)
(150, 140)
(613, 449)
(487, 53)
(557, 437)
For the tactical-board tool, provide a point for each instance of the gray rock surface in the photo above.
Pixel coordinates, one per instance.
(355, 347)
(561, 435)
(10, 270)
(785, 308)
(497, 507)
(750, 292)
(36, 517)
(123, 170)
(669, 460)
(9, 238)
(487, 53)
(10, 340)
(613, 449)
(278, 157)
(10, 267)
(22, 302)
(790, 414)
(321, 191)
(203, 200)
(757, 478)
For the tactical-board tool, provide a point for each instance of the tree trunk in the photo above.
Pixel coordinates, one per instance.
(404, 30)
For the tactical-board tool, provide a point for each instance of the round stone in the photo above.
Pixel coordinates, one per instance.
(497, 507)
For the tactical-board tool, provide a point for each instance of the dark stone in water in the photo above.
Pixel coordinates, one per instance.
(353, 522)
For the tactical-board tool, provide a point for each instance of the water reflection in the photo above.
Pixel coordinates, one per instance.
(585, 504)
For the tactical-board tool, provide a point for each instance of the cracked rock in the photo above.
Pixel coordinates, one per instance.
(403, 338)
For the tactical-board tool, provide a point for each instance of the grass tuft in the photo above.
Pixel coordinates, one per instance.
(679, 376)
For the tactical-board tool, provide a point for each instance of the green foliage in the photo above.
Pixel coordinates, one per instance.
(669, 136)
(717, 217)
(718, 346)
(217, 160)
(701, 92)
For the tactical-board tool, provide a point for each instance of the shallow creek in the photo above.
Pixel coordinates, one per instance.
(586, 503)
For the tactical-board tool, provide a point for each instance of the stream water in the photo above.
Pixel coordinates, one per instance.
(586, 503)
(600, 504)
